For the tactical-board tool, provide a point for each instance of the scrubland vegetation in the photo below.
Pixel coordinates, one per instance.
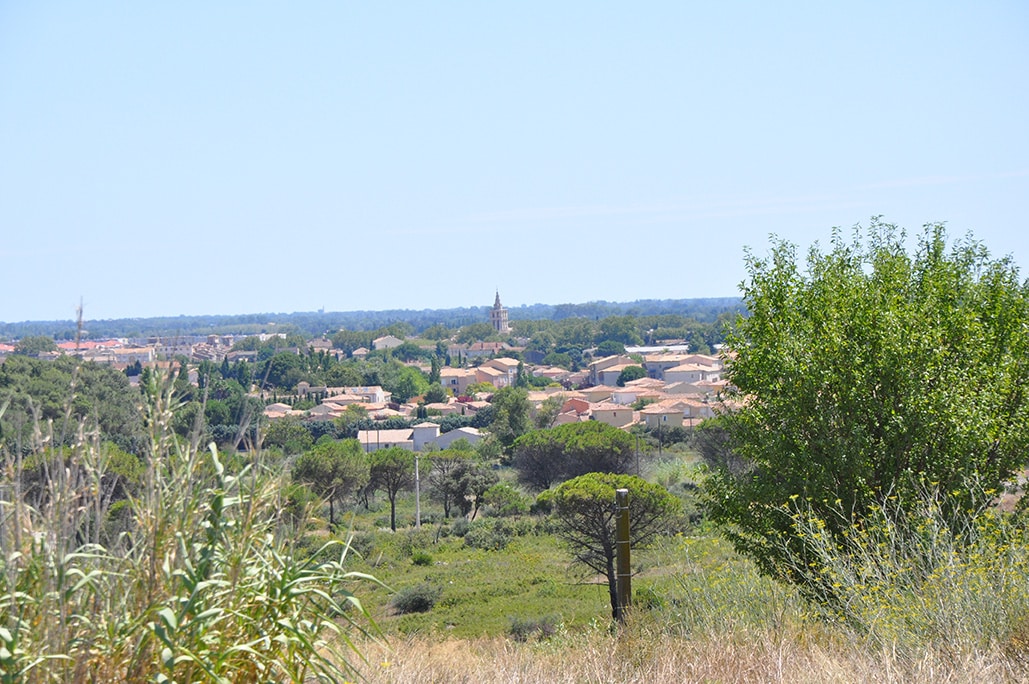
(840, 523)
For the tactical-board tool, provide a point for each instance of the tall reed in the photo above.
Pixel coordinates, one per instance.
(191, 578)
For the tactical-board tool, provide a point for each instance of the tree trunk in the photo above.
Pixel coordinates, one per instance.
(612, 587)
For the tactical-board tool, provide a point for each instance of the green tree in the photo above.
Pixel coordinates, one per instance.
(865, 373)
(34, 345)
(436, 394)
(334, 470)
(476, 332)
(511, 418)
(548, 411)
(610, 348)
(445, 473)
(630, 373)
(474, 479)
(545, 457)
(436, 331)
(290, 434)
(392, 470)
(43, 390)
(352, 415)
(584, 517)
(504, 500)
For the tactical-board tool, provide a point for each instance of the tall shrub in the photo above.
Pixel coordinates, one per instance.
(867, 372)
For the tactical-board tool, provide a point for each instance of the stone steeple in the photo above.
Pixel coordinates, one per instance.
(498, 317)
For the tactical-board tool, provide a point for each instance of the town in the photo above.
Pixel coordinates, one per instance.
(658, 387)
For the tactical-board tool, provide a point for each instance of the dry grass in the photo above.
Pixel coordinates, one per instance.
(664, 659)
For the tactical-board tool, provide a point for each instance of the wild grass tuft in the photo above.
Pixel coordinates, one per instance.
(954, 582)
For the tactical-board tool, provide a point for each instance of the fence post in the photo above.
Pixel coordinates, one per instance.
(623, 573)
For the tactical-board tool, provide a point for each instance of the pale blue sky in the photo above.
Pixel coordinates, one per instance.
(224, 157)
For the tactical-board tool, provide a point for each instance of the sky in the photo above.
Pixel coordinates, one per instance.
(191, 158)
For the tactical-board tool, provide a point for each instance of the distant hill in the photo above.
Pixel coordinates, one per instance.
(316, 323)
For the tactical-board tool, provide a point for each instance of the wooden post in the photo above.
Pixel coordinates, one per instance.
(623, 573)
(417, 494)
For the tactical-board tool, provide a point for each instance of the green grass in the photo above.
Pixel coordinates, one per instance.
(482, 591)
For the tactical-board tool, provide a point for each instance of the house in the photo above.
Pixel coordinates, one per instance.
(596, 394)
(508, 365)
(554, 373)
(606, 363)
(665, 414)
(279, 410)
(373, 440)
(424, 434)
(360, 352)
(630, 395)
(658, 365)
(320, 344)
(476, 350)
(609, 376)
(446, 408)
(692, 372)
(447, 439)
(612, 414)
(457, 380)
(386, 342)
(324, 412)
(493, 376)
(373, 394)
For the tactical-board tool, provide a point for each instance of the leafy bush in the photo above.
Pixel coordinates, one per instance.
(417, 599)
(504, 500)
(866, 372)
(488, 535)
(421, 558)
(521, 629)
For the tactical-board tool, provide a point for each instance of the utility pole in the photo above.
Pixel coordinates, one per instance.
(623, 572)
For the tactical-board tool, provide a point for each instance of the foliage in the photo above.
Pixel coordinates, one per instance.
(521, 629)
(351, 416)
(491, 534)
(584, 517)
(436, 394)
(511, 418)
(546, 457)
(403, 381)
(34, 345)
(201, 586)
(920, 576)
(391, 470)
(548, 411)
(39, 391)
(334, 470)
(504, 500)
(445, 477)
(711, 440)
(630, 373)
(872, 373)
(290, 434)
(417, 599)
(610, 348)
